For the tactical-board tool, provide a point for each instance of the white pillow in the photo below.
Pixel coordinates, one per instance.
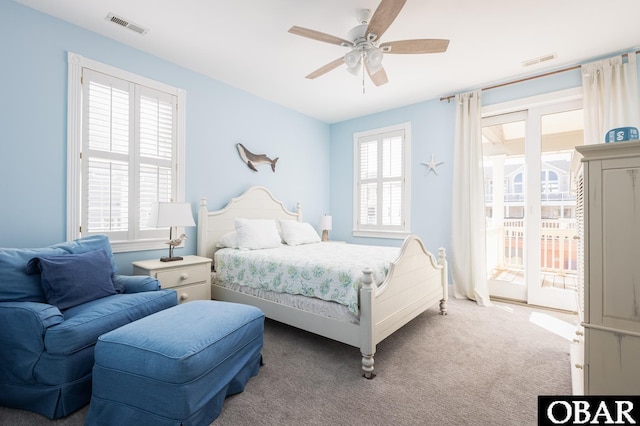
(256, 234)
(229, 240)
(295, 233)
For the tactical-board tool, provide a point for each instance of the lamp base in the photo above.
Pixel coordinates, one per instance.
(170, 259)
(325, 235)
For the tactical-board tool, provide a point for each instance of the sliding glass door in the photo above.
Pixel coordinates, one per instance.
(530, 205)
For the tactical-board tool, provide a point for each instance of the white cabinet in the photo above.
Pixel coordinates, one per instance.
(611, 179)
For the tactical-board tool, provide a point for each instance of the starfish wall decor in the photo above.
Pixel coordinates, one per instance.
(432, 165)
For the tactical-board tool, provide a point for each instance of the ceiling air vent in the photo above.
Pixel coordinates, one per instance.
(126, 23)
(539, 59)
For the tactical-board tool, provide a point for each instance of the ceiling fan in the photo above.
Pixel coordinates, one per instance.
(365, 45)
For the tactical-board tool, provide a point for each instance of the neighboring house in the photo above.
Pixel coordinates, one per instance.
(557, 200)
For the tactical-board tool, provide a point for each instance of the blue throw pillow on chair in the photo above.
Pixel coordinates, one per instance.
(89, 243)
(73, 279)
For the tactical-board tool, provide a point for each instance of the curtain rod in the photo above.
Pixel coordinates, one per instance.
(448, 98)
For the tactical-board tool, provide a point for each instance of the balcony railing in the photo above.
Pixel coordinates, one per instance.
(558, 245)
(518, 197)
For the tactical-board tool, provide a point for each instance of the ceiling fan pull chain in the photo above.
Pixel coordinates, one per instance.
(363, 80)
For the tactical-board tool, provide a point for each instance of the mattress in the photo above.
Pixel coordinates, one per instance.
(328, 271)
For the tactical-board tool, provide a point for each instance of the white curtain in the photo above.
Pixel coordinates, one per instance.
(468, 247)
(611, 98)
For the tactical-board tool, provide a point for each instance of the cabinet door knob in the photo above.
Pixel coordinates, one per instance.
(579, 333)
(579, 366)
(183, 297)
(184, 276)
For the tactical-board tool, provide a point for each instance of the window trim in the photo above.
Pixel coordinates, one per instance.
(406, 166)
(74, 145)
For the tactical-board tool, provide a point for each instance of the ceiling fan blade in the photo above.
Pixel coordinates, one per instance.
(429, 45)
(317, 35)
(379, 78)
(383, 17)
(326, 68)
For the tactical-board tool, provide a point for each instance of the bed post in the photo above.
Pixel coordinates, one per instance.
(203, 223)
(367, 345)
(442, 261)
(299, 211)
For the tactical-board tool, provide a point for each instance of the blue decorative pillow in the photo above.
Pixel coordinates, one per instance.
(73, 279)
(16, 285)
(90, 243)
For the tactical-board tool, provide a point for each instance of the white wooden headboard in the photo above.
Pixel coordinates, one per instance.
(256, 202)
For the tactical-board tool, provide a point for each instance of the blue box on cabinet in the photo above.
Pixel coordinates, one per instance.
(622, 134)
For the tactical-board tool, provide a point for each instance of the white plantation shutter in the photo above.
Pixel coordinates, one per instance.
(157, 136)
(155, 185)
(107, 202)
(369, 182)
(128, 156)
(105, 150)
(392, 204)
(392, 175)
(381, 196)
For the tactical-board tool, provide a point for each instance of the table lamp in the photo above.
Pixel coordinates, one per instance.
(172, 215)
(325, 226)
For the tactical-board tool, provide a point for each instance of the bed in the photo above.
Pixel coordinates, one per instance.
(387, 296)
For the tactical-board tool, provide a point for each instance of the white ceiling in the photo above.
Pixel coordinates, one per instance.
(245, 43)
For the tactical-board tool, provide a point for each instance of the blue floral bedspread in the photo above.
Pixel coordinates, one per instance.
(329, 271)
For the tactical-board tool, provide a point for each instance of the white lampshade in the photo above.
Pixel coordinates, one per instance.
(374, 56)
(325, 223)
(356, 70)
(325, 226)
(374, 59)
(171, 214)
(352, 58)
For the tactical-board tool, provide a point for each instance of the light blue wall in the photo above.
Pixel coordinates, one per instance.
(33, 49)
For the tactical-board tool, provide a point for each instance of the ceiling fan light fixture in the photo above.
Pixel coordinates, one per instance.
(355, 70)
(374, 56)
(352, 59)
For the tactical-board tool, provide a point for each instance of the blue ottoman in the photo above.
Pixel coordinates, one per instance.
(175, 367)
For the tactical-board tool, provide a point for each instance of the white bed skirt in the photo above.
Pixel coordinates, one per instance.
(309, 304)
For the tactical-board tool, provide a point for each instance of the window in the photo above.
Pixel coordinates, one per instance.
(125, 152)
(517, 183)
(549, 181)
(382, 184)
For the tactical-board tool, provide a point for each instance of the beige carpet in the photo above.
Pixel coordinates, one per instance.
(476, 366)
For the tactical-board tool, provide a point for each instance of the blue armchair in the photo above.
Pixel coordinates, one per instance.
(54, 304)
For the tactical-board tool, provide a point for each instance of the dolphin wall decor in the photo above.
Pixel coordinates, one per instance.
(252, 159)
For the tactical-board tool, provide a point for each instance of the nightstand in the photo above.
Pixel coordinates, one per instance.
(190, 277)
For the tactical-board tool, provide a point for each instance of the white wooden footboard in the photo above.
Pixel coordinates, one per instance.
(415, 283)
